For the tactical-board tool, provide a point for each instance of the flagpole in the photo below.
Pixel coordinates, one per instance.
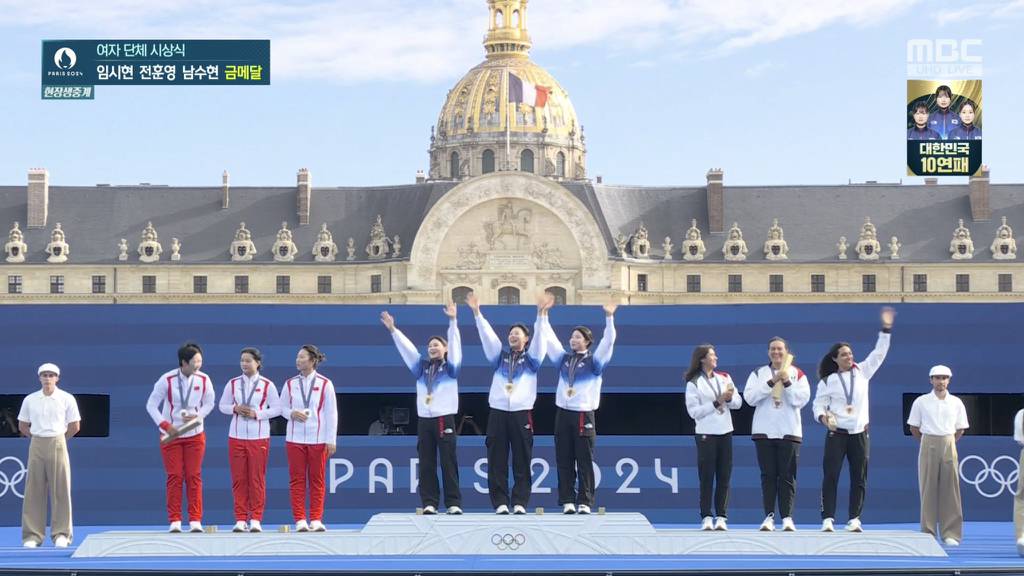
(508, 128)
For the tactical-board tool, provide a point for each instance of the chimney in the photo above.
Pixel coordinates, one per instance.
(305, 196)
(716, 203)
(931, 181)
(420, 177)
(38, 197)
(980, 207)
(225, 187)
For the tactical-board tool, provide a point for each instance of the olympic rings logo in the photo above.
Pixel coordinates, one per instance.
(508, 541)
(990, 481)
(9, 479)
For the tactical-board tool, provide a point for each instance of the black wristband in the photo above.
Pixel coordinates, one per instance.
(887, 330)
(771, 384)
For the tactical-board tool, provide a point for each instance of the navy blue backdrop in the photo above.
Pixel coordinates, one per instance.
(121, 349)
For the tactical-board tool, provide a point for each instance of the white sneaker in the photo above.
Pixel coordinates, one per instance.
(175, 527)
(568, 508)
(62, 541)
(30, 544)
(255, 526)
(952, 542)
(1020, 546)
(195, 526)
(708, 523)
(503, 509)
(301, 526)
(518, 509)
(788, 525)
(317, 526)
(769, 523)
(720, 523)
(854, 525)
(583, 509)
(455, 510)
(240, 527)
(828, 525)
(429, 510)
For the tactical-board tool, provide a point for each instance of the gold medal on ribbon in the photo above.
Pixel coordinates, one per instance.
(570, 392)
(849, 409)
(508, 388)
(428, 399)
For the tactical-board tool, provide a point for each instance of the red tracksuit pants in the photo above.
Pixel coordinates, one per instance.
(183, 462)
(248, 460)
(306, 463)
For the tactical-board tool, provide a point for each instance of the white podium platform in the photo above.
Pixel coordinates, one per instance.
(534, 535)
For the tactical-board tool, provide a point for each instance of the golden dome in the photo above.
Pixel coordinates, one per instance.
(473, 121)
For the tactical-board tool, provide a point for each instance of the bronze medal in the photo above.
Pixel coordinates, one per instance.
(428, 399)
(508, 388)
(570, 392)
(849, 409)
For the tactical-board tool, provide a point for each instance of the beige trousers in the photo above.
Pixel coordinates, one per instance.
(939, 484)
(49, 474)
(1018, 501)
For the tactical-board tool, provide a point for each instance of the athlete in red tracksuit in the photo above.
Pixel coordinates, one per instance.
(252, 401)
(180, 396)
(309, 404)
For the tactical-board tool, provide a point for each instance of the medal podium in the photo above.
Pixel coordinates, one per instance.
(617, 534)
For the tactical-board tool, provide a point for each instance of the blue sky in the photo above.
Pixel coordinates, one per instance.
(773, 92)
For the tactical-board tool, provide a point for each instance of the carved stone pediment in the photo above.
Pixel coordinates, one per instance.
(58, 248)
(735, 248)
(775, 247)
(693, 244)
(149, 248)
(242, 248)
(639, 243)
(380, 245)
(868, 247)
(546, 257)
(284, 248)
(15, 248)
(509, 279)
(1004, 246)
(325, 250)
(961, 247)
(512, 228)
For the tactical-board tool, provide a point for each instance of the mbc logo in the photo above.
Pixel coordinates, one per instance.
(12, 476)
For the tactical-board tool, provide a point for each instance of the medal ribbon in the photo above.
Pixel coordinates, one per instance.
(433, 369)
(302, 388)
(255, 382)
(181, 392)
(847, 391)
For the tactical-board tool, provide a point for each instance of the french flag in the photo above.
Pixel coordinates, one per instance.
(522, 91)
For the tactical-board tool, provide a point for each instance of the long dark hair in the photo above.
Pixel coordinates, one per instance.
(828, 365)
(695, 367)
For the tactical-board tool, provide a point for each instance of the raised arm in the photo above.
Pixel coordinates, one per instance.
(406, 348)
(488, 339)
(555, 350)
(454, 340)
(873, 362)
(603, 352)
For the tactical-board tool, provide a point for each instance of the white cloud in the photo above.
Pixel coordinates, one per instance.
(760, 69)
(434, 40)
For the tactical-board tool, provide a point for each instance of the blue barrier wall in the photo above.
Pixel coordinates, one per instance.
(121, 349)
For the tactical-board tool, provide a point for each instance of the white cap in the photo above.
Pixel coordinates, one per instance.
(48, 367)
(940, 370)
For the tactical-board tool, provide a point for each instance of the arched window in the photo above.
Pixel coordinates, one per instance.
(454, 165)
(558, 292)
(526, 161)
(488, 162)
(508, 295)
(499, 19)
(459, 294)
(560, 165)
(515, 19)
